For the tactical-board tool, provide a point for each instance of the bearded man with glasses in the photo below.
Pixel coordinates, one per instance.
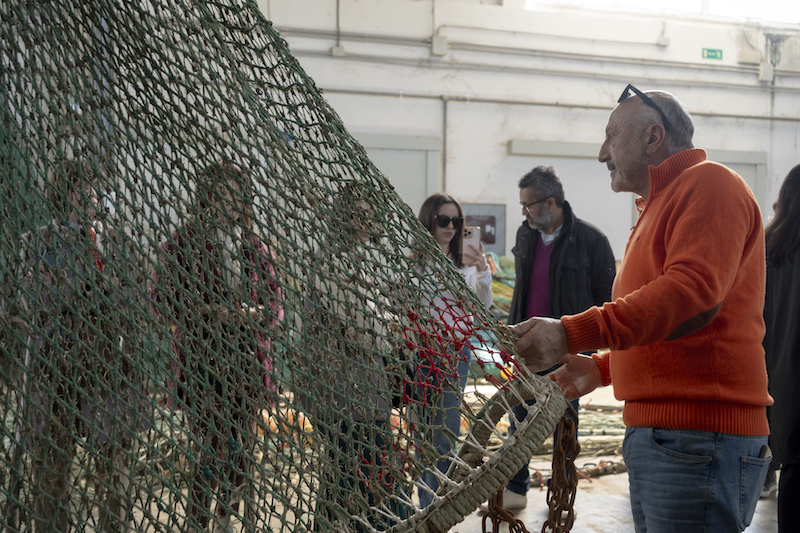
(685, 327)
(564, 265)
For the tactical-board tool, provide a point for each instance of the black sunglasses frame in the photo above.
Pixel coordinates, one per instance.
(457, 221)
(648, 101)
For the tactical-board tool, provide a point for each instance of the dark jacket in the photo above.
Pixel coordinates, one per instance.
(782, 346)
(582, 268)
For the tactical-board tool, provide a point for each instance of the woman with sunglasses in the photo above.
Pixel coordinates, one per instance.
(442, 215)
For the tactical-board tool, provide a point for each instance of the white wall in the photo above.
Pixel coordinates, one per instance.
(477, 74)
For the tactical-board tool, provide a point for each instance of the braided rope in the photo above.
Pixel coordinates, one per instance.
(473, 482)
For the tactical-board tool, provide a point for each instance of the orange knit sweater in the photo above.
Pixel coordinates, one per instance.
(699, 241)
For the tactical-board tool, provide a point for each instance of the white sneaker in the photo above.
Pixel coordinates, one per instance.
(511, 501)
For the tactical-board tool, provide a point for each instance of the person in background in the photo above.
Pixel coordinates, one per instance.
(563, 264)
(78, 291)
(442, 215)
(782, 345)
(341, 379)
(685, 327)
(216, 288)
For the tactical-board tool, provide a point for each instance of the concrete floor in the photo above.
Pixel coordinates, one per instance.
(602, 503)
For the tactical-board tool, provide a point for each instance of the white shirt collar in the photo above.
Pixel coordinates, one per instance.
(547, 239)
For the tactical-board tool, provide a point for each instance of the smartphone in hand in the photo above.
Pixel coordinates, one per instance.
(472, 236)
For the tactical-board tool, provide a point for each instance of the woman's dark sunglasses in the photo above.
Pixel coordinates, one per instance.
(443, 221)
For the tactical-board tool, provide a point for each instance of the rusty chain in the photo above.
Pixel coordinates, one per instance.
(499, 514)
(564, 483)
(560, 492)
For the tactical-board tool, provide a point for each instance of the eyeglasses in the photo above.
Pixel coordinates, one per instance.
(443, 221)
(647, 100)
(527, 207)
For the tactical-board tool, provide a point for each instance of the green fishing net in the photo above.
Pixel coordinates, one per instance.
(215, 312)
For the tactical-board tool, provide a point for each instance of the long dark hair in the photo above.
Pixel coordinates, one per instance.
(783, 233)
(427, 215)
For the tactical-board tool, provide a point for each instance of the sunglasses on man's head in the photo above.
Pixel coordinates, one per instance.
(443, 221)
(647, 101)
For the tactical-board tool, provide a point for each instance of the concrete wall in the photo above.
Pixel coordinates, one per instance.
(479, 74)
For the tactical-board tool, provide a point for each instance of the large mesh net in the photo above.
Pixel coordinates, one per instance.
(216, 312)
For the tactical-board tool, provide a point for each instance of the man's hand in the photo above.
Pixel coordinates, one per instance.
(542, 342)
(240, 316)
(578, 375)
(254, 312)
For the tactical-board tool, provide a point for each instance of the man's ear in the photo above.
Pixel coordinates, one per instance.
(656, 138)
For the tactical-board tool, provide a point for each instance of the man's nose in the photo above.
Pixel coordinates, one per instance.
(603, 155)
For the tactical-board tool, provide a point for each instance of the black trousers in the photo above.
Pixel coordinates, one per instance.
(788, 498)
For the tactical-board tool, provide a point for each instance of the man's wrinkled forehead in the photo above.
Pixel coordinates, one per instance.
(622, 114)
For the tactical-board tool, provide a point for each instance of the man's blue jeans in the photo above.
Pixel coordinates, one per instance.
(695, 481)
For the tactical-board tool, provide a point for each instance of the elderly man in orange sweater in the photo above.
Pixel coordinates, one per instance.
(684, 327)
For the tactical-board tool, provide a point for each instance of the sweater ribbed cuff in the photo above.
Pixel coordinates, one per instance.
(602, 364)
(583, 331)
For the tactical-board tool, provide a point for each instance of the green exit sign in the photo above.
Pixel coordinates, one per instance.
(712, 53)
